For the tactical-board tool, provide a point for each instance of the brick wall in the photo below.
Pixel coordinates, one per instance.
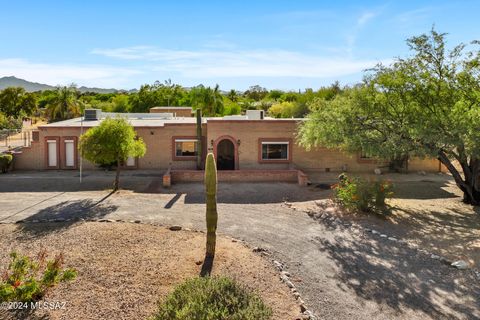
(245, 134)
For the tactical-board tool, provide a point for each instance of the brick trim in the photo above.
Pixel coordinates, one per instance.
(235, 148)
(290, 148)
(57, 139)
(174, 153)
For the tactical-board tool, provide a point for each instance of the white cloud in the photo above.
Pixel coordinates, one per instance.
(364, 18)
(55, 74)
(221, 63)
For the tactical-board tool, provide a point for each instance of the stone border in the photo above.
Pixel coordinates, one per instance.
(284, 275)
(329, 218)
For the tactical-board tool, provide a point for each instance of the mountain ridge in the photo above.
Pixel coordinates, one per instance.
(29, 86)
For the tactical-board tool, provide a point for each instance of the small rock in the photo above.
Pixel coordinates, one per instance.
(460, 264)
(278, 265)
(35, 221)
(258, 249)
(434, 256)
(19, 221)
(303, 308)
(392, 239)
(422, 173)
(234, 240)
(175, 228)
(286, 273)
(377, 171)
(289, 284)
(137, 221)
(368, 230)
(198, 262)
(296, 295)
(383, 236)
(375, 232)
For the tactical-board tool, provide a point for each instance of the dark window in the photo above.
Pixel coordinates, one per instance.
(274, 150)
(185, 148)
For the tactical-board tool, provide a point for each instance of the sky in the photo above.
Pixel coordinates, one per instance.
(288, 45)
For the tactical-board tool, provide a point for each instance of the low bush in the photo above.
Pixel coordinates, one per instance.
(5, 161)
(215, 298)
(28, 280)
(362, 195)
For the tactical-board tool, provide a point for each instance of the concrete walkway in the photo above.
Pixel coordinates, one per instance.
(341, 272)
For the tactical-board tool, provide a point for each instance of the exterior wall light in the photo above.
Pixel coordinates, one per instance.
(238, 142)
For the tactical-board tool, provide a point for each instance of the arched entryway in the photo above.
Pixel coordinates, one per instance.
(226, 153)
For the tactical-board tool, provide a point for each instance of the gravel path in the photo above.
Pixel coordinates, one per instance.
(342, 273)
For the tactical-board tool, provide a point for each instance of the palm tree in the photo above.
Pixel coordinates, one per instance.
(208, 99)
(233, 95)
(64, 104)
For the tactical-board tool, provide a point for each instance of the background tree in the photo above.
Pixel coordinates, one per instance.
(256, 93)
(424, 105)
(208, 99)
(15, 102)
(64, 103)
(112, 142)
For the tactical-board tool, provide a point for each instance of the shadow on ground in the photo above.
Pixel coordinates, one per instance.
(66, 210)
(375, 272)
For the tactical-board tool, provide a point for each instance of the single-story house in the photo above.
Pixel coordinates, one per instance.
(249, 143)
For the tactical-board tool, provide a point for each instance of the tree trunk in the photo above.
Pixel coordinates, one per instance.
(117, 177)
(470, 183)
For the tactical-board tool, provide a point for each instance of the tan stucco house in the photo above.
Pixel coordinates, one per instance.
(250, 145)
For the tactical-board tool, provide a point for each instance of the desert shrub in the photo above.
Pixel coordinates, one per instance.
(213, 298)
(5, 161)
(362, 195)
(27, 280)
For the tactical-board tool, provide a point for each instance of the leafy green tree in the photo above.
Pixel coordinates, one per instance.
(120, 103)
(208, 99)
(282, 110)
(15, 102)
(112, 142)
(256, 93)
(64, 103)
(158, 94)
(274, 95)
(424, 105)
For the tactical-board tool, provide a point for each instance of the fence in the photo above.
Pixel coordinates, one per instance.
(11, 139)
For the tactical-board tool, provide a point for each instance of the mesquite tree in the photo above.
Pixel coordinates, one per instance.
(211, 202)
(425, 105)
(112, 142)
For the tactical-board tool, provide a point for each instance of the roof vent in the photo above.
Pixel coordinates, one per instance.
(92, 114)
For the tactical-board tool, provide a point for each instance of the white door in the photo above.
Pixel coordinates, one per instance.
(130, 162)
(69, 153)
(52, 153)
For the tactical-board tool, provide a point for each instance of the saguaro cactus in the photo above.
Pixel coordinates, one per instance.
(211, 201)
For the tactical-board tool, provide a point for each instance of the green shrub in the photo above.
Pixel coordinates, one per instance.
(362, 195)
(5, 161)
(213, 298)
(28, 280)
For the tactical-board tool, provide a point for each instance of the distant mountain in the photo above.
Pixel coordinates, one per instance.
(6, 82)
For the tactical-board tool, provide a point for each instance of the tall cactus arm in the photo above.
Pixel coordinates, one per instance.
(211, 203)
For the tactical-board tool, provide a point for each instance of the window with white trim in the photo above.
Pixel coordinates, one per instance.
(185, 147)
(275, 150)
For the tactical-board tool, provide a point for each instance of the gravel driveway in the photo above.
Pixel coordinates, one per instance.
(341, 272)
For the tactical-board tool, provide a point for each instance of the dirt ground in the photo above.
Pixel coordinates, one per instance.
(124, 269)
(340, 271)
(426, 211)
